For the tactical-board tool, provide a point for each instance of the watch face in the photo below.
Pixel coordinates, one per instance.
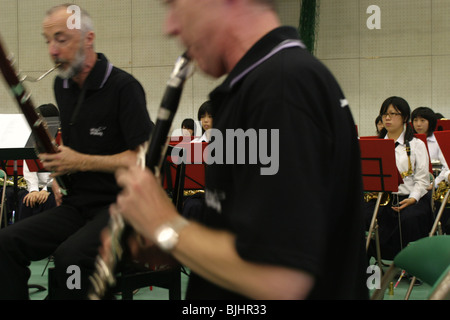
(166, 234)
(167, 238)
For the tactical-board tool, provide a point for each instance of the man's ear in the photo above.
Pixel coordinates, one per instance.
(89, 39)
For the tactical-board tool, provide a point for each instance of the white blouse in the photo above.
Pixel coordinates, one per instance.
(415, 185)
(36, 180)
(436, 155)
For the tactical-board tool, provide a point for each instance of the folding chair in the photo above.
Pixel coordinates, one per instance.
(427, 259)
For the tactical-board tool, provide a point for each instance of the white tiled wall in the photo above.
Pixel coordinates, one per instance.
(409, 56)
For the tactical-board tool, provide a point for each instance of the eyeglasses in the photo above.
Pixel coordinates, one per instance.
(391, 114)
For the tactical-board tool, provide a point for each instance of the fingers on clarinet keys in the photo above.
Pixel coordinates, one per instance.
(101, 279)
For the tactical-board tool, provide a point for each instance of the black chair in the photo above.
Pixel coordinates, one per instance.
(134, 276)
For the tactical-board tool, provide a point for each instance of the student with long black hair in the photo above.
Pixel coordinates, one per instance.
(407, 216)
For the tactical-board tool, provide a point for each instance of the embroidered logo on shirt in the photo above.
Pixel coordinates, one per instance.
(213, 199)
(97, 131)
(344, 103)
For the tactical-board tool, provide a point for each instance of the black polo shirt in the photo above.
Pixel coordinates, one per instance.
(111, 118)
(307, 215)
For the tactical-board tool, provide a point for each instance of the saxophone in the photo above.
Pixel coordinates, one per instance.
(103, 278)
(441, 191)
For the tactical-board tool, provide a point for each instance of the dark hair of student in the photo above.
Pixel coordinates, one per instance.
(205, 108)
(439, 116)
(378, 119)
(428, 114)
(188, 123)
(402, 106)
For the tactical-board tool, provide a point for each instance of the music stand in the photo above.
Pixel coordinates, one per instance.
(379, 172)
(443, 125)
(11, 160)
(193, 159)
(11, 157)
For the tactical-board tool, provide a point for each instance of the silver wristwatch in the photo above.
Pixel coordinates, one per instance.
(167, 234)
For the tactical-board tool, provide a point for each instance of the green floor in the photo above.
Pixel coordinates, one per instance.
(419, 292)
(39, 277)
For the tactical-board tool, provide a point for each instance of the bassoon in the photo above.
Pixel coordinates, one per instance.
(45, 143)
(103, 278)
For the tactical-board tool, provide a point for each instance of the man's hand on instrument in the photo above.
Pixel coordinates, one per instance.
(142, 250)
(143, 203)
(57, 192)
(65, 161)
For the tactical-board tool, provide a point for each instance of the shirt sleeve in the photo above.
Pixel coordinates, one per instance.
(31, 178)
(133, 110)
(44, 180)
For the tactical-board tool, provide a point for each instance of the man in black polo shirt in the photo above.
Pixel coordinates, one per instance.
(104, 121)
(291, 228)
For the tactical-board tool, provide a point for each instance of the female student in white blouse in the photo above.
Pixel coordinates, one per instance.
(408, 215)
(205, 116)
(424, 121)
(38, 196)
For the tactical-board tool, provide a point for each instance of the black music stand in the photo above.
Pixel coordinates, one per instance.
(27, 153)
(380, 174)
(11, 162)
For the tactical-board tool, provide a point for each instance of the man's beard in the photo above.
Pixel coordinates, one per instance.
(75, 67)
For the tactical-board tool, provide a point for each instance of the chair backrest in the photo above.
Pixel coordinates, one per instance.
(441, 289)
(426, 258)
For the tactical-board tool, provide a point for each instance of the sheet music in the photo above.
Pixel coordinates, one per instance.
(14, 131)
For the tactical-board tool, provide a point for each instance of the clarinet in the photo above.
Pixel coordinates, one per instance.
(103, 278)
(44, 141)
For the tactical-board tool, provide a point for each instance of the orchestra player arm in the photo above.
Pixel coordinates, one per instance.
(68, 160)
(208, 252)
(212, 254)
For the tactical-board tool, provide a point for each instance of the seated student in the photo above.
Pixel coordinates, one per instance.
(205, 116)
(379, 124)
(193, 206)
(407, 217)
(424, 122)
(188, 127)
(440, 116)
(38, 196)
